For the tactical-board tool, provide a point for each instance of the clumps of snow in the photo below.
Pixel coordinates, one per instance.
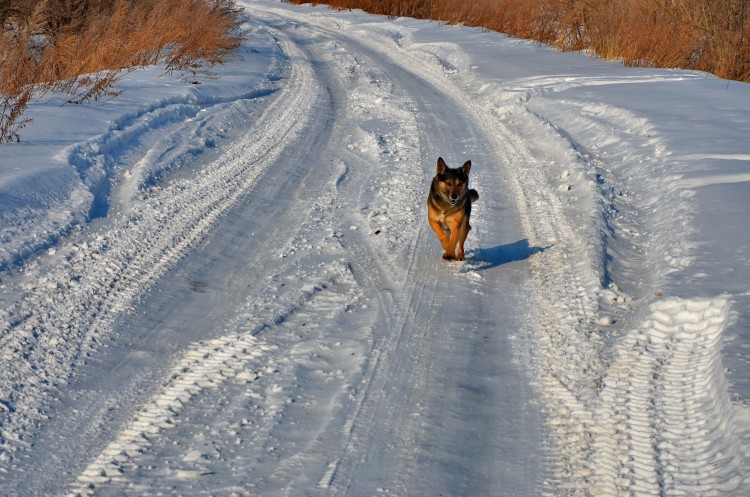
(630, 370)
(616, 297)
(604, 321)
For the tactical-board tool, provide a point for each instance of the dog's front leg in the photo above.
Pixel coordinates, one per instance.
(456, 234)
(437, 227)
(463, 233)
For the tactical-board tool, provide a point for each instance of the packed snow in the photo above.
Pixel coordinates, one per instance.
(229, 287)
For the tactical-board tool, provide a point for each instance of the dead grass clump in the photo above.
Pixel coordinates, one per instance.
(707, 35)
(82, 47)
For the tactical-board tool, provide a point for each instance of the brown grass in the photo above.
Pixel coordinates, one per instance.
(82, 47)
(706, 35)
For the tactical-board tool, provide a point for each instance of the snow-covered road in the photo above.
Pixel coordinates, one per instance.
(256, 305)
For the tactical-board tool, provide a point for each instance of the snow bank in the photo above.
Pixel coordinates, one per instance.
(73, 157)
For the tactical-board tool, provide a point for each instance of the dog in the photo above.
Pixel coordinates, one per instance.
(449, 207)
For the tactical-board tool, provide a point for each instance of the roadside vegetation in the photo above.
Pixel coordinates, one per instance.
(82, 47)
(705, 35)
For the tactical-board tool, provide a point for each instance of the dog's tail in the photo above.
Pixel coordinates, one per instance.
(473, 195)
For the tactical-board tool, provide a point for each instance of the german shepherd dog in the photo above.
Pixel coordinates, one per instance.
(449, 207)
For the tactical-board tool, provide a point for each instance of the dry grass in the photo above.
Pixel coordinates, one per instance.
(707, 35)
(83, 47)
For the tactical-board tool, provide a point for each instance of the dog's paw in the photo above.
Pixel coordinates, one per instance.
(448, 257)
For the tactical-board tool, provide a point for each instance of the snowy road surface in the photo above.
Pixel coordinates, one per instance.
(231, 288)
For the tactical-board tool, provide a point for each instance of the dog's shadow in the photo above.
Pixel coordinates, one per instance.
(487, 258)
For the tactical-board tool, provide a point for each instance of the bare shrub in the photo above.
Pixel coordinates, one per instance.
(83, 47)
(707, 35)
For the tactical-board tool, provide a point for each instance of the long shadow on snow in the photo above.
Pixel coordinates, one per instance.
(488, 258)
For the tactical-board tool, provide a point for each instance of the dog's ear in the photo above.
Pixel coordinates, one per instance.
(466, 167)
(441, 166)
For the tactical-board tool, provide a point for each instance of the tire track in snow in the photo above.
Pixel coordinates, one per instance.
(664, 411)
(205, 366)
(95, 163)
(544, 225)
(623, 218)
(377, 398)
(567, 382)
(69, 309)
(384, 133)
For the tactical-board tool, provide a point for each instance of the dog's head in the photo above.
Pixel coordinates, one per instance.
(452, 184)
